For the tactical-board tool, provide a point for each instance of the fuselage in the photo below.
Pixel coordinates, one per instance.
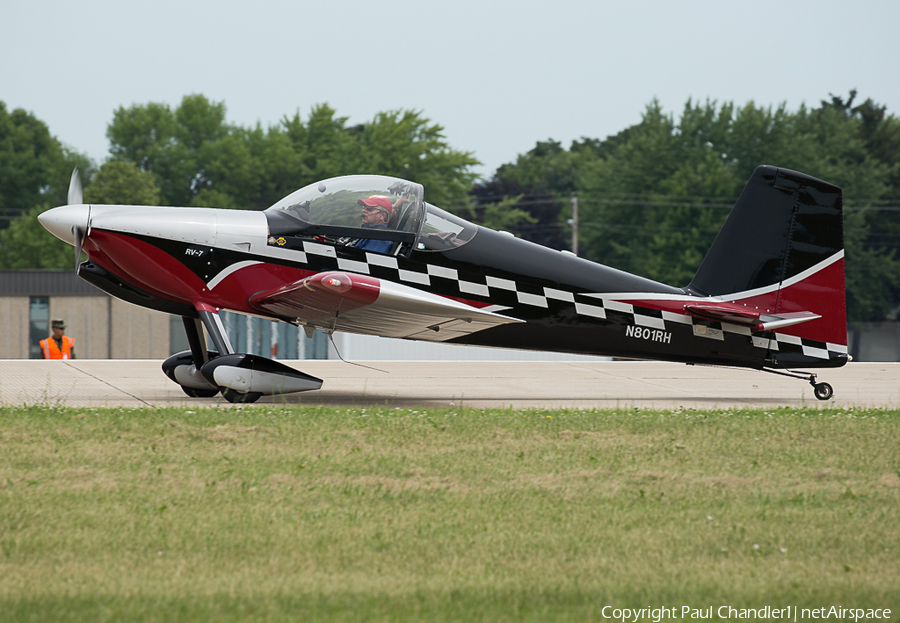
(179, 260)
(308, 260)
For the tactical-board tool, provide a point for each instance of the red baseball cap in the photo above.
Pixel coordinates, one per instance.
(377, 201)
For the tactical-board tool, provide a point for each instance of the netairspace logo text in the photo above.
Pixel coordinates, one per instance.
(788, 613)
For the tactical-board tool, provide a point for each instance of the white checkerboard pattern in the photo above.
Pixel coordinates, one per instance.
(506, 293)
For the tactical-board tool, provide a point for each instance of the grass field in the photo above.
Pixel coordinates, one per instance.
(268, 513)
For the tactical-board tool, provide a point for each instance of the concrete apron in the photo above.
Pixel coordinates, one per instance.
(581, 385)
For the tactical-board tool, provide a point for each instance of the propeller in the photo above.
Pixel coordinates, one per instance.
(76, 194)
(79, 244)
(76, 197)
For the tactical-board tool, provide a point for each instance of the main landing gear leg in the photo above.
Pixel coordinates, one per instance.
(193, 328)
(216, 330)
(822, 391)
(194, 331)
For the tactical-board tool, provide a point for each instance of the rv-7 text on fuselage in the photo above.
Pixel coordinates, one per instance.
(366, 254)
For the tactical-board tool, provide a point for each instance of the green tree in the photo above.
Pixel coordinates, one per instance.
(181, 147)
(26, 244)
(676, 175)
(283, 169)
(324, 144)
(653, 197)
(396, 143)
(541, 181)
(200, 159)
(405, 144)
(649, 204)
(34, 166)
(121, 182)
(504, 215)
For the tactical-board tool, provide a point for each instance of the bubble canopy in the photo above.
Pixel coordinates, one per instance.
(335, 208)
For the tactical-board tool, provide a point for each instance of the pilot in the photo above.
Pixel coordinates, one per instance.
(376, 212)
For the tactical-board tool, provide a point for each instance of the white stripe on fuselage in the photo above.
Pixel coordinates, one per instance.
(737, 296)
(230, 270)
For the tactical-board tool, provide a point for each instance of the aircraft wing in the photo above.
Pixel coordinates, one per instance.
(363, 304)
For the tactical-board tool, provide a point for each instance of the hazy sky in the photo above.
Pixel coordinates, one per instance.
(499, 76)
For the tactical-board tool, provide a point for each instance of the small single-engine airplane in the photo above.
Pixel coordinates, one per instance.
(366, 254)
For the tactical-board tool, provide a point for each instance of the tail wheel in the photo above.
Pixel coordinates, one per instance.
(232, 395)
(199, 393)
(823, 391)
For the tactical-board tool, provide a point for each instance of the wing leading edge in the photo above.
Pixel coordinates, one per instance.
(356, 303)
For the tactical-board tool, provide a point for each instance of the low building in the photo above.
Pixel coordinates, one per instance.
(103, 327)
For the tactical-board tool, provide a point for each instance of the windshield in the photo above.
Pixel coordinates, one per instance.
(444, 231)
(344, 201)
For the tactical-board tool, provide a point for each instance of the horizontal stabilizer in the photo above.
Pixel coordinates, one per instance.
(743, 316)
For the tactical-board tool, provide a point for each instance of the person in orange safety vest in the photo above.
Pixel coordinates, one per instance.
(59, 345)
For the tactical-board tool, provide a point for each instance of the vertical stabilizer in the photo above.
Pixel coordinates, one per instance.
(782, 251)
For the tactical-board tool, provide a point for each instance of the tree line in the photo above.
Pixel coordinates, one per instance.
(191, 156)
(651, 198)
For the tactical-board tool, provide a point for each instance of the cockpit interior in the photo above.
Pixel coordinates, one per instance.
(333, 212)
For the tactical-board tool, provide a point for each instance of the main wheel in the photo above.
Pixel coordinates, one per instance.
(823, 391)
(232, 395)
(199, 393)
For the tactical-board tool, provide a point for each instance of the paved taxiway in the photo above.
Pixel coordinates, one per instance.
(606, 384)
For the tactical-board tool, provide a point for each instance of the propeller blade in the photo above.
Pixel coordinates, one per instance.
(76, 195)
(79, 243)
